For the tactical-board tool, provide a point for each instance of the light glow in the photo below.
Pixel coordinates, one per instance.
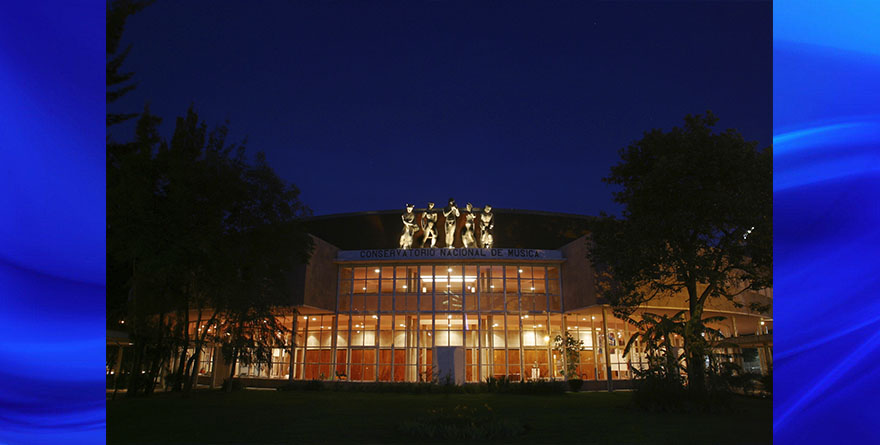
(456, 279)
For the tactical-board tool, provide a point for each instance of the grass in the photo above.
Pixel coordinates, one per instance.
(276, 417)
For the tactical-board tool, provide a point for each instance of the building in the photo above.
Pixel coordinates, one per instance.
(370, 311)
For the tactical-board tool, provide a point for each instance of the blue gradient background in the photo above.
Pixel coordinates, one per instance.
(52, 265)
(826, 92)
(827, 215)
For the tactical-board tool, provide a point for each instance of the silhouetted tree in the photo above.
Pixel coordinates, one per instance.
(202, 232)
(697, 218)
(118, 12)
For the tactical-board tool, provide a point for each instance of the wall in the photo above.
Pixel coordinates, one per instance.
(578, 278)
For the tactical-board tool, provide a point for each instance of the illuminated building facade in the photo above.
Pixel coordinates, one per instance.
(368, 312)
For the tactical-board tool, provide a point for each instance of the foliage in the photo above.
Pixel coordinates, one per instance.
(575, 384)
(696, 219)
(660, 386)
(118, 12)
(655, 333)
(195, 227)
(462, 423)
(571, 348)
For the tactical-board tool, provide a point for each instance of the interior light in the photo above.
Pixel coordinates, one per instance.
(533, 288)
(540, 326)
(404, 286)
(121, 321)
(546, 338)
(583, 319)
(377, 271)
(593, 317)
(495, 325)
(305, 318)
(424, 289)
(762, 323)
(449, 269)
(375, 316)
(454, 279)
(449, 316)
(520, 271)
(365, 288)
(314, 319)
(473, 290)
(491, 286)
(525, 316)
(402, 325)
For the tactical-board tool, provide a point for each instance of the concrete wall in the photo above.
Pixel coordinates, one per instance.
(315, 282)
(578, 277)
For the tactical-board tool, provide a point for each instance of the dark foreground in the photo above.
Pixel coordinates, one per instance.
(273, 417)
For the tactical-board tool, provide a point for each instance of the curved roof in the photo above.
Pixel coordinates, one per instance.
(514, 228)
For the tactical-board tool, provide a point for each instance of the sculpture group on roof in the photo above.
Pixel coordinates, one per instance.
(428, 226)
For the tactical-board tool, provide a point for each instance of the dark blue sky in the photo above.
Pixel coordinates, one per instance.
(368, 105)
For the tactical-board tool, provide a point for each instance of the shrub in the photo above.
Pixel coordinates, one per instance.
(236, 385)
(575, 384)
(462, 423)
(767, 382)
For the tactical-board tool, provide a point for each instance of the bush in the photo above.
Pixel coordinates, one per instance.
(462, 423)
(502, 386)
(236, 385)
(654, 393)
(575, 384)
(767, 382)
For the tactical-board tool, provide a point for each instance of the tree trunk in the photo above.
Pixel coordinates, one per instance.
(231, 372)
(134, 373)
(181, 367)
(193, 368)
(693, 343)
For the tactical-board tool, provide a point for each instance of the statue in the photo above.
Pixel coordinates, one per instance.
(451, 214)
(467, 233)
(409, 227)
(428, 225)
(487, 223)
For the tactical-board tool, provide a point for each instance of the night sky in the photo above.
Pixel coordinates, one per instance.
(369, 105)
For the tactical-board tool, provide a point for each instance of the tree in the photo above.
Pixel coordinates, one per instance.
(118, 12)
(696, 219)
(572, 348)
(196, 232)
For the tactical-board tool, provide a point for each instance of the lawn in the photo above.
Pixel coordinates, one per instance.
(275, 417)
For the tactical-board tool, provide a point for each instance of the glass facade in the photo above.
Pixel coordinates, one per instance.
(505, 317)
(389, 319)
